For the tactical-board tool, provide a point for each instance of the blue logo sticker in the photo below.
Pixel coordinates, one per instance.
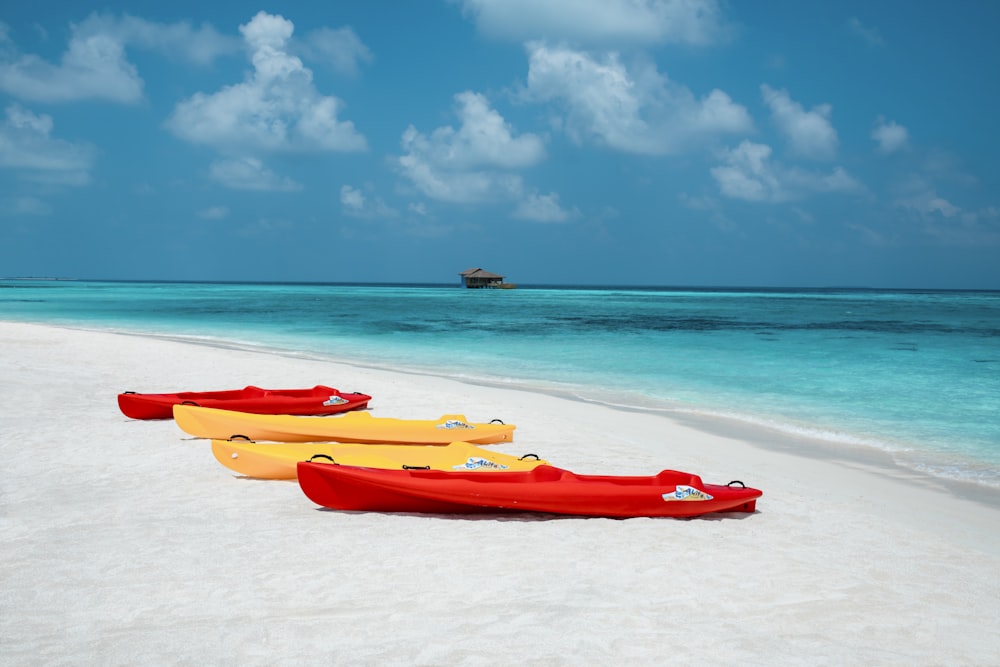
(335, 400)
(478, 463)
(454, 423)
(686, 493)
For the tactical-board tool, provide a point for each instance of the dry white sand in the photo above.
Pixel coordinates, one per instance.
(126, 543)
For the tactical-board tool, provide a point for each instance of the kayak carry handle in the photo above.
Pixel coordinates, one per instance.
(239, 436)
(406, 467)
(190, 403)
(497, 421)
(736, 481)
(535, 456)
(128, 392)
(322, 456)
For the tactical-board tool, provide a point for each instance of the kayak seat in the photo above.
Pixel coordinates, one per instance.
(676, 477)
(545, 473)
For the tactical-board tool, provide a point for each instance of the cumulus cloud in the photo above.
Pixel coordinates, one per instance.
(93, 66)
(484, 139)
(356, 204)
(890, 136)
(600, 21)
(747, 172)
(810, 133)
(341, 49)
(916, 194)
(181, 41)
(942, 218)
(475, 163)
(249, 173)
(277, 107)
(26, 143)
(638, 111)
(541, 208)
(469, 164)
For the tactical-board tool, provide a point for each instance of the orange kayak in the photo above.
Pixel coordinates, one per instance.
(350, 427)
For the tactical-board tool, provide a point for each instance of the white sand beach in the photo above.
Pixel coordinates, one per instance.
(126, 543)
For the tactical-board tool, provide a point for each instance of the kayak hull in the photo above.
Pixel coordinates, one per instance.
(279, 460)
(319, 400)
(545, 488)
(356, 427)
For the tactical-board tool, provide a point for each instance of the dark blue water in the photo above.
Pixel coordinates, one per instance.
(916, 373)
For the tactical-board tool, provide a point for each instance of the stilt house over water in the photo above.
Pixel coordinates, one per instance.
(478, 278)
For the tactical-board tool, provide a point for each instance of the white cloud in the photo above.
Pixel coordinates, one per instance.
(748, 173)
(870, 35)
(474, 163)
(93, 66)
(277, 107)
(637, 112)
(339, 48)
(941, 218)
(352, 198)
(483, 139)
(600, 21)
(469, 164)
(356, 204)
(214, 213)
(541, 208)
(917, 195)
(810, 133)
(890, 136)
(249, 174)
(200, 46)
(26, 144)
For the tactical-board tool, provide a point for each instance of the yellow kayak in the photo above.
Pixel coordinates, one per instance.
(352, 426)
(279, 460)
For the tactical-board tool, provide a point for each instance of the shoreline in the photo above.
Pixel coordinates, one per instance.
(774, 438)
(126, 540)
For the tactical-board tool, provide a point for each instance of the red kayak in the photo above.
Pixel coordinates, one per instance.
(319, 400)
(543, 489)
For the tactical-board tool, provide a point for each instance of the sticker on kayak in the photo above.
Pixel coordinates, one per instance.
(455, 423)
(335, 400)
(686, 493)
(477, 463)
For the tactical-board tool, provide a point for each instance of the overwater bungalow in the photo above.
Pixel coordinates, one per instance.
(479, 278)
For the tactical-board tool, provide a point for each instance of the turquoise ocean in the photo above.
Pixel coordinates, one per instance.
(912, 373)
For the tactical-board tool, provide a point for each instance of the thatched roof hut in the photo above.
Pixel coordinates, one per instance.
(480, 278)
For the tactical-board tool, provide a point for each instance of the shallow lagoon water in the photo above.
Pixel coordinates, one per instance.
(914, 373)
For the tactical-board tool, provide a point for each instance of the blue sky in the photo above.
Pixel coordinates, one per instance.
(624, 142)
